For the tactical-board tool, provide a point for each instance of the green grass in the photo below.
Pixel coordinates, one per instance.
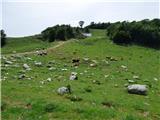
(23, 44)
(144, 62)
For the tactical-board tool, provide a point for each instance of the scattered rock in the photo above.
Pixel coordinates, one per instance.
(8, 62)
(116, 85)
(26, 67)
(135, 76)
(28, 106)
(131, 81)
(95, 61)
(86, 59)
(64, 69)
(96, 82)
(73, 76)
(3, 58)
(81, 73)
(64, 90)
(105, 61)
(76, 62)
(52, 68)
(123, 66)
(106, 76)
(137, 89)
(28, 58)
(155, 79)
(21, 76)
(49, 79)
(93, 65)
(38, 64)
(41, 53)
(111, 58)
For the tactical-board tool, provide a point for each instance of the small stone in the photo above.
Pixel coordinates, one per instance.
(21, 76)
(93, 65)
(95, 61)
(86, 59)
(42, 82)
(136, 77)
(96, 82)
(64, 69)
(73, 76)
(8, 62)
(131, 81)
(28, 58)
(49, 79)
(52, 68)
(38, 64)
(123, 66)
(155, 79)
(25, 66)
(81, 73)
(106, 76)
(29, 78)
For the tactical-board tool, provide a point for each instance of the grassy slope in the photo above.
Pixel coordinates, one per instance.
(23, 44)
(140, 61)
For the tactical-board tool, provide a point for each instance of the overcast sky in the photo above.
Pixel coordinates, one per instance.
(24, 17)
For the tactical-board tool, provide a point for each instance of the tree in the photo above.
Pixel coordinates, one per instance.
(3, 38)
(81, 23)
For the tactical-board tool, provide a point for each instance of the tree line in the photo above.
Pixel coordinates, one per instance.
(145, 32)
(62, 32)
(3, 38)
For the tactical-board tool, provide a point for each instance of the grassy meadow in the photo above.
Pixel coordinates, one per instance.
(98, 94)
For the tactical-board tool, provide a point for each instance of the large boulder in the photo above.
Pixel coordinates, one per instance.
(137, 89)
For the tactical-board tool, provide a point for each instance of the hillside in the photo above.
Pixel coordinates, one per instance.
(23, 44)
(98, 94)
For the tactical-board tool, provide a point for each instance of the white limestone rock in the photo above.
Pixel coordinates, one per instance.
(8, 62)
(63, 90)
(137, 89)
(38, 64)
(26, 67)
(73, 76)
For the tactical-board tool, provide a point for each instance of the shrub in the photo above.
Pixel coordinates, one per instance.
(50, 107)
(122, 37)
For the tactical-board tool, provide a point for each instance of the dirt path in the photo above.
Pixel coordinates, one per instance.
(34, 52)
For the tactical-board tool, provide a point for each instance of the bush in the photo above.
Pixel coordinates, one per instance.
(50, 107)
(122, 37)
(3, 106)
